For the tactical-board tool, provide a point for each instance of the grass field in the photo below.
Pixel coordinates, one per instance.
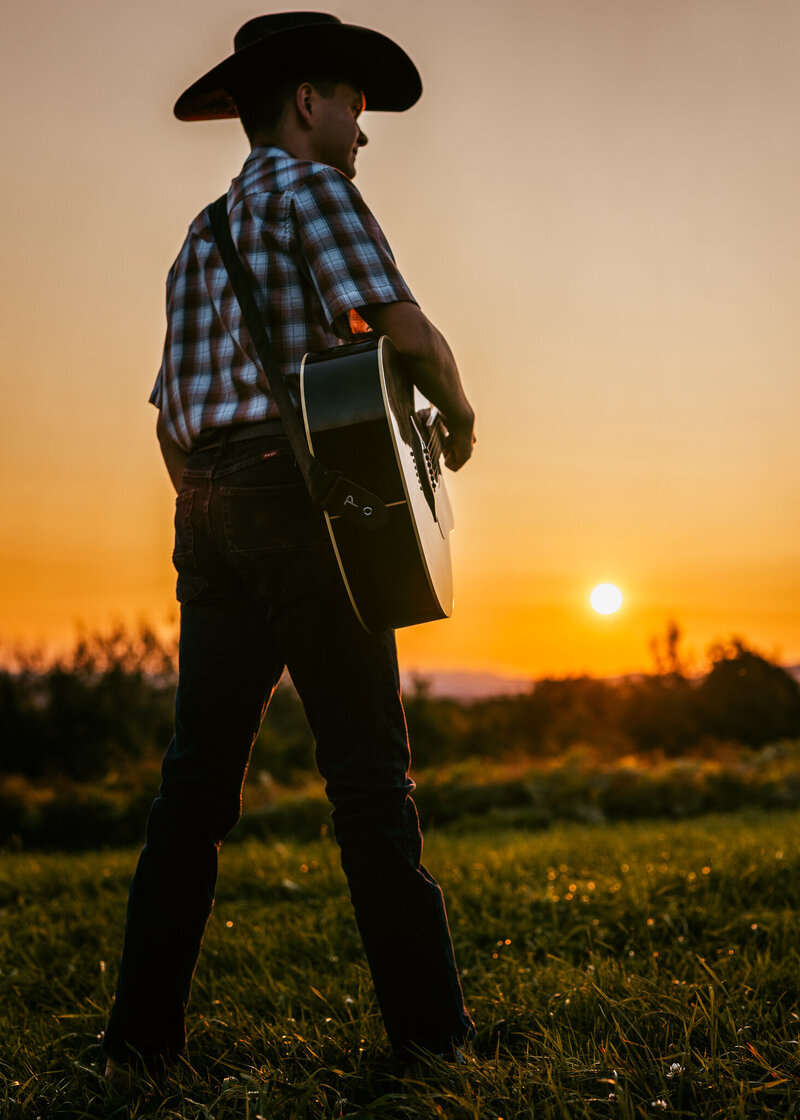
(618, 970)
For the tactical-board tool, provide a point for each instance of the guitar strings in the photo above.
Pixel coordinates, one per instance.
(435, 445)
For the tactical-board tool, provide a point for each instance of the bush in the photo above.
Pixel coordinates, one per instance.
(658, 713)
(284, 747)
(302, 818)
(747, 698)
(71, 818)
(112, 701)
(438, 729)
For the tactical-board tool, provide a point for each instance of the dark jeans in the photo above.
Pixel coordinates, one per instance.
(260, 591)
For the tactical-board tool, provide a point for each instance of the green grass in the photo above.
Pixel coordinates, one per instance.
(594, 958)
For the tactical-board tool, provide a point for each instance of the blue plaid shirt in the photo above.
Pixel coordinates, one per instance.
(314, 253)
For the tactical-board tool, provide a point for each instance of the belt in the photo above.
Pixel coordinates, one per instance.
(219, 436)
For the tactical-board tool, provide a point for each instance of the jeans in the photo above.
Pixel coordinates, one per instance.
(260, 591)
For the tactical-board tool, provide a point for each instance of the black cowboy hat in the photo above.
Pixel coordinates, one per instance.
(274, 46)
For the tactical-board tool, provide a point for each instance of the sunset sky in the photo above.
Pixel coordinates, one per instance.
(597, 203)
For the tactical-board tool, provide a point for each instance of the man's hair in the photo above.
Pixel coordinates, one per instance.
(261, 105)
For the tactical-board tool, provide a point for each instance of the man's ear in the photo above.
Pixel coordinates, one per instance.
(304, 98)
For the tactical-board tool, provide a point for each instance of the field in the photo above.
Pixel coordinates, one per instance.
(625, 970)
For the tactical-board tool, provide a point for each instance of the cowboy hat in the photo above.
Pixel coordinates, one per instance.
(274, 46)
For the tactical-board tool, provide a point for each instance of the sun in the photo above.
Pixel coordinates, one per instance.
(606, 598)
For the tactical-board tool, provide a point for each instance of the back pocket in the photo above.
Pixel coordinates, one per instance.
(277, 539)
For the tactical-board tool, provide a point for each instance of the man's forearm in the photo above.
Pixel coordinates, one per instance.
(436, 376)
(174, 455)
(431, 366)
(438, 379)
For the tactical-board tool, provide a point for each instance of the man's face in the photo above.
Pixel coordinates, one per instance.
(337, 135)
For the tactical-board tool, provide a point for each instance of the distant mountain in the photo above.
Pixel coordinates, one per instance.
(467, 686)
(482, 686)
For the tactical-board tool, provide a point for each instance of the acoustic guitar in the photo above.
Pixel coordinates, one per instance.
(361, 418)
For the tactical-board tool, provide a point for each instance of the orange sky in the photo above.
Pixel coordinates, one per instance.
(597, 204)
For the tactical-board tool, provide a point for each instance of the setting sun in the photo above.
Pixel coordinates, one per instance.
(606, 598)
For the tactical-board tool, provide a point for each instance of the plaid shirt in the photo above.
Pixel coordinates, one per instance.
(314, 252)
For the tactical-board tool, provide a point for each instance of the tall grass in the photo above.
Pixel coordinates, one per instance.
(625, 970)
(474, 794)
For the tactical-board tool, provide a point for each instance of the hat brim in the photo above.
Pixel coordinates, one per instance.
(377, 65)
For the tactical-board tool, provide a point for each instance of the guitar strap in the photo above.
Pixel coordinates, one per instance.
(337, 495)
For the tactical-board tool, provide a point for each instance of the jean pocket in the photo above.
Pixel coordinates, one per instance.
(190, 579)
(276, 539)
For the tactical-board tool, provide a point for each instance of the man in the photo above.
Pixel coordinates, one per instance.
(257, 581)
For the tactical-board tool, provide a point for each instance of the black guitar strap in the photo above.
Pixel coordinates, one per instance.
(337, 495)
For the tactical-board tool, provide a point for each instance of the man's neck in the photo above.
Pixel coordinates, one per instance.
(293, 144)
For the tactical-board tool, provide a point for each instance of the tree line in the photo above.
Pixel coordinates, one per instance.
(109, 704)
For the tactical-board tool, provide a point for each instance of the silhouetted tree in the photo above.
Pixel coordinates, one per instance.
(669, 658)
(80, 716)
(747, 698)
(658, 711)
(558, 713)
(438, 728)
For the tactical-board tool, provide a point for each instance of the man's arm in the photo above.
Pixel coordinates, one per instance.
(431, 366)
(174, 455)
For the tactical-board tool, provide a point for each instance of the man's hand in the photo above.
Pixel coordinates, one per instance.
(432, 368)
(458, 446)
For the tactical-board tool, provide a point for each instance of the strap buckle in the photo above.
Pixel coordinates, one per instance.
(343, 498)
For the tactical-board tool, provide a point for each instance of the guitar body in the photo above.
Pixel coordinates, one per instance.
(360, 419)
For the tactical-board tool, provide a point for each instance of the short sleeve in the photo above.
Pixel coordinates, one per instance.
(349, 260)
